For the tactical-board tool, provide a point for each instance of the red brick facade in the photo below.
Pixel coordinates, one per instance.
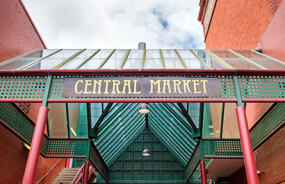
(18, 35)
(253, 24)
(239, 24)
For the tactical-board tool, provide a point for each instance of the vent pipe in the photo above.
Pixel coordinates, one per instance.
(142, 46)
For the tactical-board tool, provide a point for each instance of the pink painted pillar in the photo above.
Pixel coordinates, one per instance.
(34, 153)
(86, 172)
(247, 150)
(203, 172)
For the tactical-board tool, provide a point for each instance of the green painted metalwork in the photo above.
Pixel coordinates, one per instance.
(193, 163)
(82, 123)
(221, 148)
(87, 59)
(162, 58)
(125, 59)
(103, 115)
(171, 132)
(185, 113)
(270, 123)
(238, 91)
(159, 167)
(68, 59)
(111, 119)
(105, 60)
(98, 162)
(262, 87)
(13, 118)
(67, 148)
(124, 123)
(117, 135)
(22, 87)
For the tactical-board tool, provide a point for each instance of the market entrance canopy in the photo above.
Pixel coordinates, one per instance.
(150, 75)
(94, 94)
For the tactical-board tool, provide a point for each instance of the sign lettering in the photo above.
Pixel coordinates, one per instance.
(141, 87)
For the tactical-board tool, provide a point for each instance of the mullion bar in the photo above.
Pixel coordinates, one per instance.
(67, 119)
(101, 118)
(201, 60)
(185, 113)
(247, 60)
(125, 59)
(162, 58)
(37, 61)
(143, 61)
(106, 59)
(68, 59)
(87, 59)
(228, 66)
(222, 121)
(181, 59)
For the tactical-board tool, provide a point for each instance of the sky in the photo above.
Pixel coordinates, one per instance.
(117, 23)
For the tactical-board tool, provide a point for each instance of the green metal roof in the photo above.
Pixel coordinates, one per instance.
(124, 123)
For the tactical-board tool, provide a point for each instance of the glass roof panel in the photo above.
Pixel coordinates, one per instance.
(173, 59)
(209, 59)
(233, 60)
(115, 61)
(24, 60)
(54, 60)
(153, 59)
(261, 60)
(134, 60)
(72, 64)
(96, 61)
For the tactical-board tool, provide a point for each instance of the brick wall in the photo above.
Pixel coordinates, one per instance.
(17, 33)
(239, 24)
(250, 24)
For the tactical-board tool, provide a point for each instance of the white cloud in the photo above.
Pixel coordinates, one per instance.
(117, 23)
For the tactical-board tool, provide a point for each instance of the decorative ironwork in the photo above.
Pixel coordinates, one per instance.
(258, 87)
(193, 162)
(67, 148)
(271, 122)
(98, 162)
(221, 148)
(22, 87)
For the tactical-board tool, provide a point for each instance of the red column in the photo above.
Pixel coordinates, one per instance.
(67, 163)
(203, 172)
(34, 153)
(249, 162)
(86, 173)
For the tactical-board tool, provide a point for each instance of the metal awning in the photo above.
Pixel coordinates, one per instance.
(115, 125)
